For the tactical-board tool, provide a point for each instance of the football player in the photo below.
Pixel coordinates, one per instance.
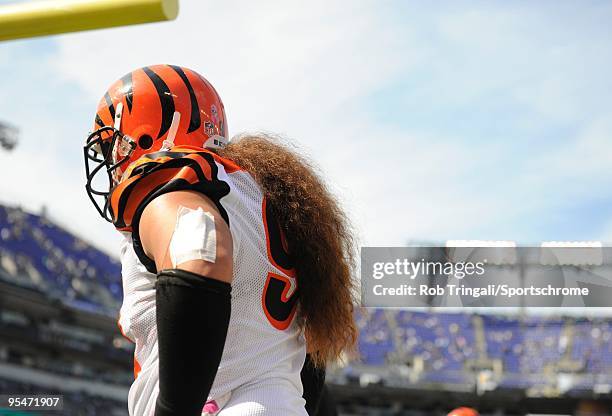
(236, 260)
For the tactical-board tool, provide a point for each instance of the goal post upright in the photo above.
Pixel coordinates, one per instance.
(50, 17)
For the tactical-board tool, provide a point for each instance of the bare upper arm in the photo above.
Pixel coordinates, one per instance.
(157, 227)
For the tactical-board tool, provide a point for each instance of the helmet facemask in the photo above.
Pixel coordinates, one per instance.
(105, 151)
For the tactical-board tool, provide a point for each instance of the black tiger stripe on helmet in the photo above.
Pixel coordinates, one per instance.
(195, 121)
(165, 99)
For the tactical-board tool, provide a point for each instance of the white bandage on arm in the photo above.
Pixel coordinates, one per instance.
(194, 237)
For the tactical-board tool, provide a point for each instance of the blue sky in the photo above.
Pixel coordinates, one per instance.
(463, 120)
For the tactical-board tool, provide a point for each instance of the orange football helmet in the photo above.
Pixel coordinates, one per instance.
(463, 411)
(148, 110)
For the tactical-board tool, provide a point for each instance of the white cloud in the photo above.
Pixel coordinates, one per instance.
(308, 69)
(288, 67)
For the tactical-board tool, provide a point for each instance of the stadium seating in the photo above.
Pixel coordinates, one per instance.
(375, 339)
(443, 340)
(446, 343)
(36, 253)
(39, 255)
(592, 345)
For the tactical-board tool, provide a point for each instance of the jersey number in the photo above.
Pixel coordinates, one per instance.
(278, 304)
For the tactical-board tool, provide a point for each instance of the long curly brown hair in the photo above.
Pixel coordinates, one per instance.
(315, 225)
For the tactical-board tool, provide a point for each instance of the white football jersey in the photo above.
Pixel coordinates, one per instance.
(263, 341)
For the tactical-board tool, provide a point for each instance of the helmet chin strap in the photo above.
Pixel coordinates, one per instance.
(169, 142)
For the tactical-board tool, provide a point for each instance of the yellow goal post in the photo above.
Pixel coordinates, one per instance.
(29, 19)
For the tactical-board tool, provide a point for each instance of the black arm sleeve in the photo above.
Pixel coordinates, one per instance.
(193, 314)
(313, 380)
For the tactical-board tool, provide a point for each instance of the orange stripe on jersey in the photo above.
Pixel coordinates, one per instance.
(157, 173)
(229, 165)
(195, 167)
(145, 186)
(137, 367)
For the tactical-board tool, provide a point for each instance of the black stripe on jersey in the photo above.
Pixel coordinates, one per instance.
(123, 200)
(194, 122)
(128, 90)
(109, 102)
(165, 99)
(214, 189)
